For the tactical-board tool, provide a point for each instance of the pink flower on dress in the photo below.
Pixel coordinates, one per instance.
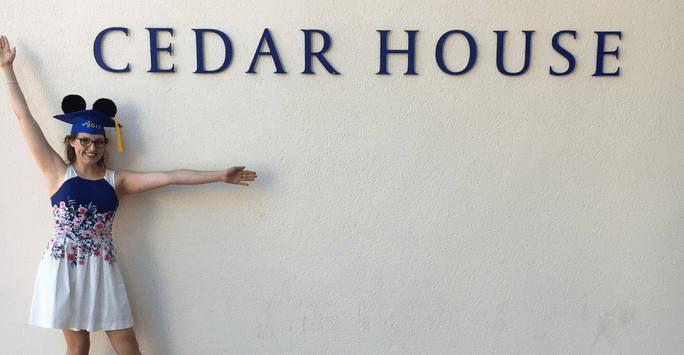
(88, 233)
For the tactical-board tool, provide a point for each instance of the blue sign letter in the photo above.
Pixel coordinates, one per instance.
(97, 50)
(564, 53)
(154, 50)
(499, 52)
(601, 52)
(439, 52)
(271, 51)
(384, 52)
(200, 51)
(308, 53)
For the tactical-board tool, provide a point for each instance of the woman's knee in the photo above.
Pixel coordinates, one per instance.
(78, 342)
(124, 341)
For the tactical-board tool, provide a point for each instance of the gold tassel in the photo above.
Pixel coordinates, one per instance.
(118, 135)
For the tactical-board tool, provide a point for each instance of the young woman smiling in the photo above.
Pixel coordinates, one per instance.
(79, 288)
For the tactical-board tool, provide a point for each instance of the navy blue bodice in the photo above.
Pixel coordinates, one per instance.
(84, 213)
(96, 193)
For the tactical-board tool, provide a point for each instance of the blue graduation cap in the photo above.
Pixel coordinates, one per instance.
(90, 121)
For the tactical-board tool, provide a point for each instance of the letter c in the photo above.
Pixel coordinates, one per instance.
(97, 50)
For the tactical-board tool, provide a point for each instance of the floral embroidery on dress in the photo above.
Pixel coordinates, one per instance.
(80, 231)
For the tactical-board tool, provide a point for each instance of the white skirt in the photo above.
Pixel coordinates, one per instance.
(91, 296)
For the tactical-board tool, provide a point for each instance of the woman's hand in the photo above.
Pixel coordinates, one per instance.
(238, 174)
(7, 54)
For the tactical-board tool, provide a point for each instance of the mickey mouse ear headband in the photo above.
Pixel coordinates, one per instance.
(90, 121)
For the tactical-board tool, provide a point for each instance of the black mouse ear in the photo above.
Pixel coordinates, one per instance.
(105, 106)
(73, 103)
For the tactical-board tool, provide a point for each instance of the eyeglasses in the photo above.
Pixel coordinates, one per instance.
(86, 142)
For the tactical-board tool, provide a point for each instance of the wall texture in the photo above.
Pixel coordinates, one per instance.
(394, 214)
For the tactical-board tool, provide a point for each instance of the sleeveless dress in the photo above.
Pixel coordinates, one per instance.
(79, 285)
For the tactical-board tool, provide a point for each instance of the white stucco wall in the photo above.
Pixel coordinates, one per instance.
(428, 214)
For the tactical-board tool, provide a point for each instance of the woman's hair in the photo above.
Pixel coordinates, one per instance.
(71, 152)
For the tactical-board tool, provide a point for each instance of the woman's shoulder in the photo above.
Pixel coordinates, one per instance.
(119, 175)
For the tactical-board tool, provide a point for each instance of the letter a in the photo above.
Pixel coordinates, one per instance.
(271, 51)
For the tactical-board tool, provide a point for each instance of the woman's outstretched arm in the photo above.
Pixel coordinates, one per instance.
(129, 182)
(49, 162)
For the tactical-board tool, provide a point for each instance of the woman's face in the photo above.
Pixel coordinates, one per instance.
(91, 154)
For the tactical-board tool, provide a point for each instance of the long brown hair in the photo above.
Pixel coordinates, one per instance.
(70, 152)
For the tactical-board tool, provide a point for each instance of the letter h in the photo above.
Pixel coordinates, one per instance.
(410, 51)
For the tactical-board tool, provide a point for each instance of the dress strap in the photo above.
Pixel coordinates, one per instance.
(70, 173)
(109, 176)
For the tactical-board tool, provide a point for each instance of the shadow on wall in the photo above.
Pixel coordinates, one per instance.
(143, 274)
(157, 255)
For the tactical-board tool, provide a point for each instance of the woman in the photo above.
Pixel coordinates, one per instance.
(79, 287)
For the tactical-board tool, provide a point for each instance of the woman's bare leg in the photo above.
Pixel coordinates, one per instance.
(78, 342)
(124, 341)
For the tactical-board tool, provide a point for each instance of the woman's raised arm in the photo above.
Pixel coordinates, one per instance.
(49, 162)
(129, 182)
